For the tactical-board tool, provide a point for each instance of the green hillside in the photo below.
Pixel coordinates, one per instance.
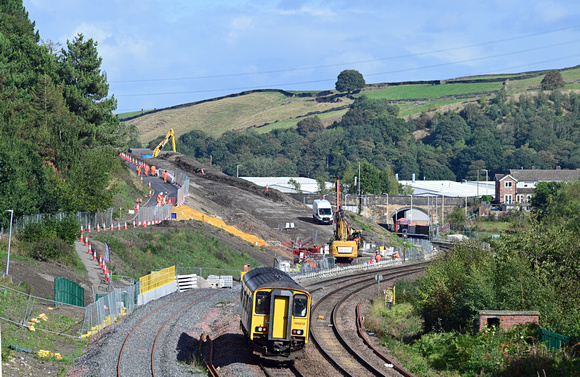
(268, 110)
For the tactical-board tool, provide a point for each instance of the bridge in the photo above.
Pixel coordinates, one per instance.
(386, 209)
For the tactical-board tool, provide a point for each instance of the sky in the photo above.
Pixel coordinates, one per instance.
(161, 53)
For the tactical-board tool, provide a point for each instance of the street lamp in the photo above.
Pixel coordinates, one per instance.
(465, 180)
(238, 171)
(9, 241)
(485, 181)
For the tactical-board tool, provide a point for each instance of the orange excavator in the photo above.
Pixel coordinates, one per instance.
(344, 245)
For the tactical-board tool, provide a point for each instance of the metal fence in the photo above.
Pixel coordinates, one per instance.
(551, 339)
(40, 314)
(181, 180)
(205, 272)
(67, 291)
(108, 309)
(152, 215)
(84, 218)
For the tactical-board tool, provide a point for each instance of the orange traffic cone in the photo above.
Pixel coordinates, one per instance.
(144, 224)
(82, 230)
(125, 225)
(100, 260)
(89, 228)
(81, 237)
(98, 228)
(94, 254)
(104, 226)
(107, 276)
(134, 223)
(112, 226)
(90, 248)
(86, 241)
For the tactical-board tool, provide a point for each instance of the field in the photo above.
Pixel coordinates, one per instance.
(270, 110)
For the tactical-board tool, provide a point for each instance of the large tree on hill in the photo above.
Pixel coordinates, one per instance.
(86, 93)
(350, 80)
(552, 80)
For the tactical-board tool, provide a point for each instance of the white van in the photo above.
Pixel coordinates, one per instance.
(322, 212)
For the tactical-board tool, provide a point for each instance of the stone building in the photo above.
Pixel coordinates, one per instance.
(519, 185)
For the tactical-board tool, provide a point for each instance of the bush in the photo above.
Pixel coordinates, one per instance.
(66, 230)
(52, 249)
(400, 322)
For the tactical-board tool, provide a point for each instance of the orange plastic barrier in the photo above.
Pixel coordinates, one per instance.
(186, 213)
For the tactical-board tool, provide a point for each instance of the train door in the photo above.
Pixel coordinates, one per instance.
(280, 314)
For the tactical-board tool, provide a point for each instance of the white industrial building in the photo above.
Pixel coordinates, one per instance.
(450, 188)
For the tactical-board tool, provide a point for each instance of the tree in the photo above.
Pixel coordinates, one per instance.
(552, 80)
(295, 185)
(309, 125)
(86, 92)
(350, 80)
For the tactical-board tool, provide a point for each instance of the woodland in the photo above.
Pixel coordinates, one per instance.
(57, 129)
(538, 131)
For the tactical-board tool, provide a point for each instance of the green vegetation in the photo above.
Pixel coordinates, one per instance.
(143, 251)
(533, 266)
(350, 80)
(57, 131)
(16, 339)
(496, 134)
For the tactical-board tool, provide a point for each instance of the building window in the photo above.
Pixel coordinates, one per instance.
(508, 184)
(508, 199)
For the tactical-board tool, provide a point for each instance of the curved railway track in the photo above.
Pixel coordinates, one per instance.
(280, 371)
(332, 341)
(151, 328)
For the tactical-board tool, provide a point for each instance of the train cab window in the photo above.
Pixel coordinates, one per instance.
(300, 306)
(262, 302)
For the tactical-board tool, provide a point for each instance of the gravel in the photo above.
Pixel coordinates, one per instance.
(179, 345)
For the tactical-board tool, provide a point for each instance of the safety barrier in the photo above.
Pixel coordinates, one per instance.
(186, 213)
(153, 215)
(181, 181)
(307, 271)
(108, 309)
(84, 218)
(40, 314)
(157, 284)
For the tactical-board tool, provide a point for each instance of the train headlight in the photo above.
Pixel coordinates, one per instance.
(297, 332)
(261, 329)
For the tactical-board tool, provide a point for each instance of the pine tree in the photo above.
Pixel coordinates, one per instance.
(86, 94)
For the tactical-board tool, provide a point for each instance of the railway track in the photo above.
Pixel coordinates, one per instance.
(150, 331)
(280, 371)
(330, 336)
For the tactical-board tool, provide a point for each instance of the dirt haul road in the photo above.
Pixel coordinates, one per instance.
(240, 203)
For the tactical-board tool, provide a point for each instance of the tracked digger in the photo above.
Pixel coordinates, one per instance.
(344, 245)
(170, 135)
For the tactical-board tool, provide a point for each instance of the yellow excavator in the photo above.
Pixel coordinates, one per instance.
(344, 246)
(170, 135)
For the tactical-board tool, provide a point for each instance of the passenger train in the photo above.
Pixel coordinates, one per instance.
(275, 314)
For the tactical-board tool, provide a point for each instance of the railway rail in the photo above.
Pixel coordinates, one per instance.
(326, 332)
(280, 370)
(151, 328)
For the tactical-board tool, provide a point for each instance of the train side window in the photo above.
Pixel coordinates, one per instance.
(262, 302)
(300, 306)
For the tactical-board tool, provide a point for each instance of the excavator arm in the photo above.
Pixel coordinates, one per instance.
(170, 135)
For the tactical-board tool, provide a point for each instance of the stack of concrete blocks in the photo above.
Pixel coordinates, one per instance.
(185, 282)
(223, 281)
